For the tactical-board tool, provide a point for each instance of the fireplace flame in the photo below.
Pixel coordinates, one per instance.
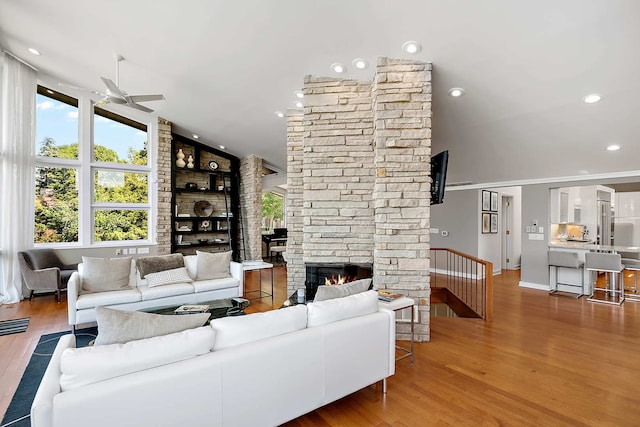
(340, 280)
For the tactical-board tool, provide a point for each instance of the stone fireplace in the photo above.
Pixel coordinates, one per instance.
(358, 180)
(318, 274)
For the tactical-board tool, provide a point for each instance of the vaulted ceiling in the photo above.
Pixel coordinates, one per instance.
(225, 67)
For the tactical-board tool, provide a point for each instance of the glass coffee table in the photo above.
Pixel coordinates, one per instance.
(217, 308)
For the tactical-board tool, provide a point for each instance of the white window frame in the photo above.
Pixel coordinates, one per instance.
(85, 166)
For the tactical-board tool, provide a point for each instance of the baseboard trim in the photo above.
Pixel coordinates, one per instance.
(534, 286)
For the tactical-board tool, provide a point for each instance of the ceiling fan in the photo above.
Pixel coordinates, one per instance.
(115, 95)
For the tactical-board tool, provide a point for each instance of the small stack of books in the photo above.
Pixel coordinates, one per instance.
(191, 309)
(388, 296)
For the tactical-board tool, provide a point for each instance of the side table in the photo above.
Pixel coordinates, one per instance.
(253, 267)
(400, 304)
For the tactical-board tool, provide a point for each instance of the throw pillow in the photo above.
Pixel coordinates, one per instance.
(153, 264)
(82, 366)
(213, 265)
(333, 310)
(339, 291)
(167, 277)
(117, 326)
(105, 274)
(233, 331)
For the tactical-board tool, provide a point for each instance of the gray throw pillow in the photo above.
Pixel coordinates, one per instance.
(339, 291)
(153, 264)
(213, 265)
(119, 327)
(105, 274)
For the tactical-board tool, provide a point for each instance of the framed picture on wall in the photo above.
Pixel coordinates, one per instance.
(494, 223)
(486, 223)
(486, 200)
(494, 201)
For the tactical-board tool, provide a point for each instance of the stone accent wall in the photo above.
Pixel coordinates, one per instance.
(358, 179)
(402, 110)
(338, 171)
(251, 208)
(295, 190)
(164, 187)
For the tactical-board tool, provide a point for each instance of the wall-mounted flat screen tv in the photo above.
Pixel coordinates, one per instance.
(438, 176)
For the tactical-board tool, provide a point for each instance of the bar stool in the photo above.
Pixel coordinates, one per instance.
(561, 259)
(611, 265)
(631, 262)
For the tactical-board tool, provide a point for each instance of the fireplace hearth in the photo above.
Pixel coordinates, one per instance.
(319, 274)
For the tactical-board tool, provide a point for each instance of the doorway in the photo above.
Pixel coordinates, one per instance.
(508, 261)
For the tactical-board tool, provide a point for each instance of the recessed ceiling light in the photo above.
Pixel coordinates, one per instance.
(34, 51)
(222, 147)
(411, 46)
(360, 63)
(456, 92)
(280, 114)
(338, 68)
(299, 94)
(298, 104)
(196, 136)
(613, 147)
(50, 92)
(592, 99)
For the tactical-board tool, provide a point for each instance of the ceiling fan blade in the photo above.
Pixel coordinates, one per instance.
(112, 86)
(139, 107)
(145, 98)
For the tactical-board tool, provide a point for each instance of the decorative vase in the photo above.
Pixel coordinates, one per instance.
(190, 162)
(180, 158)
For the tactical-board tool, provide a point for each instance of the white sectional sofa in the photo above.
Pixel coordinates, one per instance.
(256, 370)
(139, 295)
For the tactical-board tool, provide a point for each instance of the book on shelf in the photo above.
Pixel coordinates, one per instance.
(191, 309)
(388, 296)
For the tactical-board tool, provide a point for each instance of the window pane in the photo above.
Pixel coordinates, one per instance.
(272, 211)
(56, 128)
(120, 187)
(122, 224)
(117, 139)
(56, 205)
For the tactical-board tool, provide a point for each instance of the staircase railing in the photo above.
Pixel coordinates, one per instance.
(468, 278)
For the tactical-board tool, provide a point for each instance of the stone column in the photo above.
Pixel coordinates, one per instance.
(165, 157)
(402, 134)
(295, 259)
(338, 171)
(251, 207)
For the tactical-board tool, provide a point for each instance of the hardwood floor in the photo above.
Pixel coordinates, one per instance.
(543, 361)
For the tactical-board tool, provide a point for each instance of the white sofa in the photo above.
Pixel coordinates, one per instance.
(81, 305)
(257, 370)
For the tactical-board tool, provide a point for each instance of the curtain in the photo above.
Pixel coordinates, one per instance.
(19, 84)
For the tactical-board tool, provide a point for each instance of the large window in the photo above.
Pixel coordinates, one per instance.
(93, 190)
(56, 181)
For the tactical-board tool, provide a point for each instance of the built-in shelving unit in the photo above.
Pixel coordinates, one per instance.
(204, 198)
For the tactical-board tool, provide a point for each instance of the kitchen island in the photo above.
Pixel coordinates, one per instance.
(576, 276)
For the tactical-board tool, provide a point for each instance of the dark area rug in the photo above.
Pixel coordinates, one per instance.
(17, 414)
(13, 326)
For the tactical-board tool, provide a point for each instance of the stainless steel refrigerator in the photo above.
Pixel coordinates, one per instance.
(605, 225)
